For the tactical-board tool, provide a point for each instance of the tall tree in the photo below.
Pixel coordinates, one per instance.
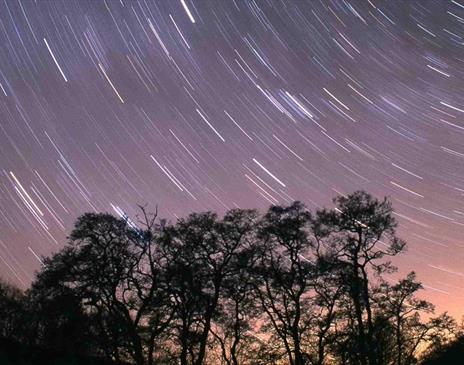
(114, 268)
(233, 325)
(204, 253)
(285, 274)
(284, 287)
(358, 234)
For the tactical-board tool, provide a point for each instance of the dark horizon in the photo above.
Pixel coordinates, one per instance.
(210, 105)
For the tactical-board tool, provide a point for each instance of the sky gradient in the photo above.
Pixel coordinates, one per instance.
(197, 105)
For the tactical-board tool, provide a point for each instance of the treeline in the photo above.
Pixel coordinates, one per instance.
(285, 287)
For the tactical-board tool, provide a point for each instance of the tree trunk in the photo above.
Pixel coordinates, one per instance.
(233, 349)
(355, 296)
(138, 351)
(184, 344)
(151, 349)
(372, 353)
(204, 339)
(398, 341)
(296, 339)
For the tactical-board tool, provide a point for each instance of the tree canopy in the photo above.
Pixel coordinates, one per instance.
(289, 286)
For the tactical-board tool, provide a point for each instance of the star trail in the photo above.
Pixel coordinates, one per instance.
(195, 105)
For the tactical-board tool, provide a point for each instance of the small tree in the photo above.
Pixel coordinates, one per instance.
(399, 303)
(57, 318)
(12, 311)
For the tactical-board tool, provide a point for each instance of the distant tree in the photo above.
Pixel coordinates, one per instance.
(400, 304)
(325, 313)
(12, 311)
(232, 329)
(57, 319)
(265, 352)
(450, 353)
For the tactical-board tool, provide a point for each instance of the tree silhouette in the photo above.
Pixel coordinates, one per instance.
(57, 318)
(399, 303)
(233, 324)
(450, 353)
(352, 234)
(284, 287)
(205, 254)
(11, 311)
(285, 274)
(113, 268)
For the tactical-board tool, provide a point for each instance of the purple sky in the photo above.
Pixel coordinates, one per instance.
(198, 105)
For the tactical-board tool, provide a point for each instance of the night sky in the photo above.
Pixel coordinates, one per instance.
(197, 105)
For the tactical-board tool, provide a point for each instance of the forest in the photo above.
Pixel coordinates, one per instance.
(286, 286)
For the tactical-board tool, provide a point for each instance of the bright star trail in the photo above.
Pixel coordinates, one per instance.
(195, 105)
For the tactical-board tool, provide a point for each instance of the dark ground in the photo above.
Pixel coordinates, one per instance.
(13, 353)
